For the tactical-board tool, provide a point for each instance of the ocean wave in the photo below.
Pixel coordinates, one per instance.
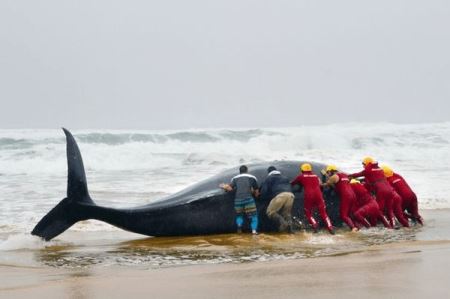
(142, 166)
(117, 137)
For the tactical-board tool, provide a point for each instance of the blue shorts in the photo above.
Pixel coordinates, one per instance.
(245, 206)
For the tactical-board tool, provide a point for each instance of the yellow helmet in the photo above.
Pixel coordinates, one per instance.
(331, 167)
(306, 167)
(368, 160)
(355, 181)
(388, 172)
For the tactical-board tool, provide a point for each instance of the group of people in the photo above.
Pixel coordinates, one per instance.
(375, 194)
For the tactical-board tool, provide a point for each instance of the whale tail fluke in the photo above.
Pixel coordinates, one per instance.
(72, 208)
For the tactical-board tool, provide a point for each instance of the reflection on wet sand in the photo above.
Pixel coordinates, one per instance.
(214, 249)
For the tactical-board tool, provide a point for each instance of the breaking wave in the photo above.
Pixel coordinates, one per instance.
(134, 167)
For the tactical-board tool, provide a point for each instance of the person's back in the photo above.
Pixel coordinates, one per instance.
(375, 178)
(312, 196)
(400, 186)
(310, 183)
(277, 188)
(343, 185)
(244, 185)
(363, 195)
(275, 184)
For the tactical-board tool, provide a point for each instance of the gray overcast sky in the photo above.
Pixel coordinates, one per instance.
(189, 64)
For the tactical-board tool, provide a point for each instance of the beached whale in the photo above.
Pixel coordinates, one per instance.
(200, 209)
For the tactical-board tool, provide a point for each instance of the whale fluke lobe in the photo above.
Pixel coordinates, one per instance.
(56, 221)
(72, 208)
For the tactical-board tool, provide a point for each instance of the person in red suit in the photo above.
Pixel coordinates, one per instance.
(367, 210)
(409, 198)
(389, 201)
(313, 198)
(341, 184)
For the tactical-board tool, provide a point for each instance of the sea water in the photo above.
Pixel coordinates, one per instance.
(135, 167)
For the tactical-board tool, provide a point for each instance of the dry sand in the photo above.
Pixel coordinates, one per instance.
(401, 270)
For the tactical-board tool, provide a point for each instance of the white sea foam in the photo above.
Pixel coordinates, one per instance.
(23, 241)
(126, 168)
(320, 239)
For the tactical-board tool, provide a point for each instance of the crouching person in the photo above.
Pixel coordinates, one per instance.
(245, 185)
(277, 187)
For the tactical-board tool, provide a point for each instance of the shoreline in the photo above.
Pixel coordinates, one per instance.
(414, 266)
(404, 269)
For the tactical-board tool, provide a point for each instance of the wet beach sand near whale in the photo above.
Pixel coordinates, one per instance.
(408, 271)
(405, 263)
(95, 260)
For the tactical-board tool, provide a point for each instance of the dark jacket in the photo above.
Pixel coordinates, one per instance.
(274, 184)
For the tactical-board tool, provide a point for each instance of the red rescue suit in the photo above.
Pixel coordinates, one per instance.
(409, 198)
(389, 201)
(312, 198)
(368, 212)
(347, 198)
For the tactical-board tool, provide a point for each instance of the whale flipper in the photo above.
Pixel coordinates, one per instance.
(70, 209)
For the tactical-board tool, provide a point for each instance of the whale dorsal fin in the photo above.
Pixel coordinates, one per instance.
(76, 177)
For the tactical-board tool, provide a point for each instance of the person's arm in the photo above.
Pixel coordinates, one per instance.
(255, 188)
(226, 187)
(331, 181)
(357, 174)
(264, 188)
(295, 181)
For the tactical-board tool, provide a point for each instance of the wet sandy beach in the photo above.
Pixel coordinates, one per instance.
(402, 270)
(414, 267)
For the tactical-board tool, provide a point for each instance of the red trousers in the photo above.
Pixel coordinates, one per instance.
(315, 201)
(410, 205)
(347, 205)
(391, 204)
(369, 214)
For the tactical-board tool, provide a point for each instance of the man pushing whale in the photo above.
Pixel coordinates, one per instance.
(277, 188)
(245, 187)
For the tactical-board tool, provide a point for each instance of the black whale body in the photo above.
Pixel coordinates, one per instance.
(200, 209)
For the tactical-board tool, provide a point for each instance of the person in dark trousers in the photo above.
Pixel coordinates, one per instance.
(246, 186)
(313, 198)
(277, 188)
